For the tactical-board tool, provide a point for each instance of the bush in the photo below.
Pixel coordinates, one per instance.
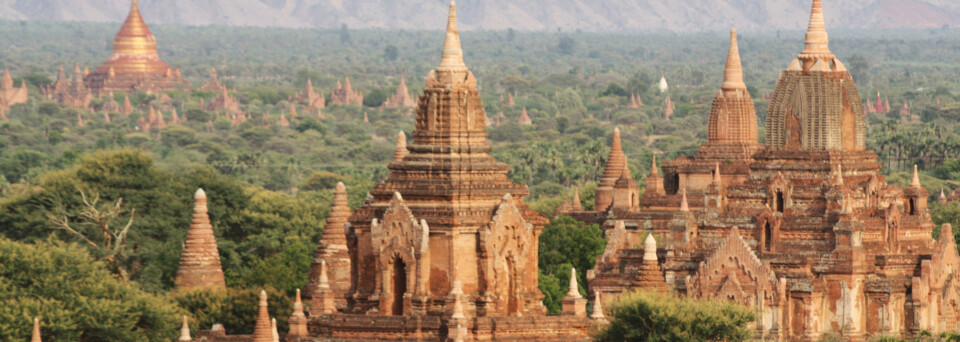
(651, 316)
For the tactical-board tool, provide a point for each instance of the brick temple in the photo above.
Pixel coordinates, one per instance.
(805, 229)
(9, 94)
(444, 250)
(134, 64)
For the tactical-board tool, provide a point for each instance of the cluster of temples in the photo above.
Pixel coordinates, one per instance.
(804, 229)
(444, 249)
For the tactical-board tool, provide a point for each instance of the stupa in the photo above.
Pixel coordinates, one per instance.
(134, 63)
(200, 259)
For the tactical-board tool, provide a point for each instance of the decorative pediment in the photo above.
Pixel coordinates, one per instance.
(733, 269)
(730, 289)
(399, 230)
(508, 231)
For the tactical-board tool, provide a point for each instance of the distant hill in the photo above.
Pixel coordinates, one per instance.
(526, 15)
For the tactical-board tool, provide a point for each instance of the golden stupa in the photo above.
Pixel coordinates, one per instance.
(134, 64)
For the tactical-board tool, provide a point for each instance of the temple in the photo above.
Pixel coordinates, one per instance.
(402, 98)
(803, 230)
(72, 92)
(9, 94)
(445, 248)
(344, 95)
(134, 64)
(213, 83)
(310, 98)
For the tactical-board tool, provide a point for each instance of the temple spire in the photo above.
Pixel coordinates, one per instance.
(185, 331)
(574, 287)
(401, 150)
(733, 73)
(915, 182)
(36, 330)
(200, 259)
(650, 248)
(576, 199)
(452, 56)
(684, 207)
(817, 44)
(597, 307)
(653, 168)
(262, 330)
(298, 321)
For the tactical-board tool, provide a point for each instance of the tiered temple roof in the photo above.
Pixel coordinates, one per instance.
(134, 63)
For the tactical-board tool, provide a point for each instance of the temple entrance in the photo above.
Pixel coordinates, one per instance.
(399, 286)
(779, 202)
(913, 207)
(767, 236)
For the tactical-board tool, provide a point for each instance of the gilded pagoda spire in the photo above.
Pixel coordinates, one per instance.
(733, 73)
(817, 43)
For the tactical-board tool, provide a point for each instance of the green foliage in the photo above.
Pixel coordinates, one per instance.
(567, 243)
(252, 225)
(650, 316)
(322, 180)
(235, 308)
(75, 297)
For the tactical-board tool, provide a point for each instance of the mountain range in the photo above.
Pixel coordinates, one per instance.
(523, 15)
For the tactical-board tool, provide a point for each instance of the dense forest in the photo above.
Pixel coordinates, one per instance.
(270, 185)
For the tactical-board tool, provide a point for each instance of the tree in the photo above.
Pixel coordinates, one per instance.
(391, 53)
(94, 228)
(344, 34)
(859, 69)
(75, 297)
(567, 45)
(653, 317)
(567, 243)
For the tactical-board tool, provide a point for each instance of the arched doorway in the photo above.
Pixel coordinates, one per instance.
(779, 201)
(399, 286)
(767, 236)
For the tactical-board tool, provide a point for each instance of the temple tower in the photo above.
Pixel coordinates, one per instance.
(816, 105)
(332, 251)
(616, 162)
(200, 260)
(134, 63)
(732, 128)
(447, 213)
